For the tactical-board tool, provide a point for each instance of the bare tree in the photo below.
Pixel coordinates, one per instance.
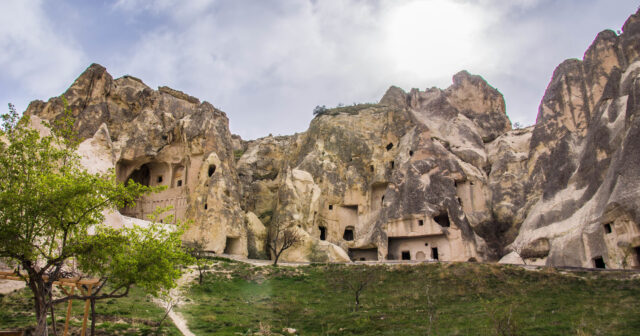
(282, 239)
(196, 248)
(169, 304)
(353, 279)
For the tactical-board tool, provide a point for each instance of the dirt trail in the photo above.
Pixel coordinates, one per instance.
(8, 286)
(176, 298)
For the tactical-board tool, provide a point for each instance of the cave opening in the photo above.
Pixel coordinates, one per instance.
(233, 246)
(607, 228)
(212, 169)
(323, 232)
(442, 220)
(406, 255)
(389, 146)
(363, 254)
(434, 253)
(598, 262)
(141, 175)
(348, 233)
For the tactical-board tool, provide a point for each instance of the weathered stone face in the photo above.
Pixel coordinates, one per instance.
(369, 180)
(582, 158)
(434, 174)
(162, 138)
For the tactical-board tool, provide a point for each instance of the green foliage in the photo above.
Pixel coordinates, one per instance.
(47, 200)
(319, 110)
(145, 256)
(349, 109)
(237, 154)
(49, 206)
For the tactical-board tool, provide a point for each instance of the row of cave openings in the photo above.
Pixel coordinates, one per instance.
(349, 231)
(371, 254)
(160, 174)
(157, 174)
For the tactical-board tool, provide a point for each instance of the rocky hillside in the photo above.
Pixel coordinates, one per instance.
(434, 174)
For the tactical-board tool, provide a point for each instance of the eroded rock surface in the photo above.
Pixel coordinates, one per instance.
(161, 138)
(433, 174)
(583, 183)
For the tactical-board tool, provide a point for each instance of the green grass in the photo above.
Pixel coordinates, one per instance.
(467, 299)
(132, 315)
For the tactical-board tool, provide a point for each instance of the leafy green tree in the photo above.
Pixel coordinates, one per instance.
(145, 256)
(49, 205)
(319, 110)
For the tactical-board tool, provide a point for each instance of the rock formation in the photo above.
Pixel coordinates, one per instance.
(581, 172)
(433, 174)
(162, 138)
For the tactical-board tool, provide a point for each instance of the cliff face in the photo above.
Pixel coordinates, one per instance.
(162, 138)
(434, 174)
(405, 178)
(582, 181)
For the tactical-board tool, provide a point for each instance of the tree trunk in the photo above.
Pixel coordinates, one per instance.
(41, 303)
(53, 317)
(93, 317)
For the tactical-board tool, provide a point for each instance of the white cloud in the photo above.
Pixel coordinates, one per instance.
(36, 57)
(268, 63)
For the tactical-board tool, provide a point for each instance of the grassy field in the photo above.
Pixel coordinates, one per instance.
(422, 299)
(132, 315)
(425, 299)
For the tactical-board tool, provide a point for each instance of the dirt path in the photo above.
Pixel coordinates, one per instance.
(8, 286)
(177, 298)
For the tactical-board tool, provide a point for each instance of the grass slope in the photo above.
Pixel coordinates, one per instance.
(132, 315)
(458, 299)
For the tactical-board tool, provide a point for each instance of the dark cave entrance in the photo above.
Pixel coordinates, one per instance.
(598, 262)
(406, 255)
(434, 253)
(442, 220)
(348, 233)
(141, 175)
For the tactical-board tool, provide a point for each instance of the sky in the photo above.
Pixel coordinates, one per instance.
(267, 64)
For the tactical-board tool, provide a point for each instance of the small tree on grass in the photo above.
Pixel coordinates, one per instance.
(281, 239)
(146, 256)
(353, 279)
(49, 205)
(196, 248)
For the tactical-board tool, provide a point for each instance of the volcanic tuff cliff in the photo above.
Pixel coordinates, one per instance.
(434, 174)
